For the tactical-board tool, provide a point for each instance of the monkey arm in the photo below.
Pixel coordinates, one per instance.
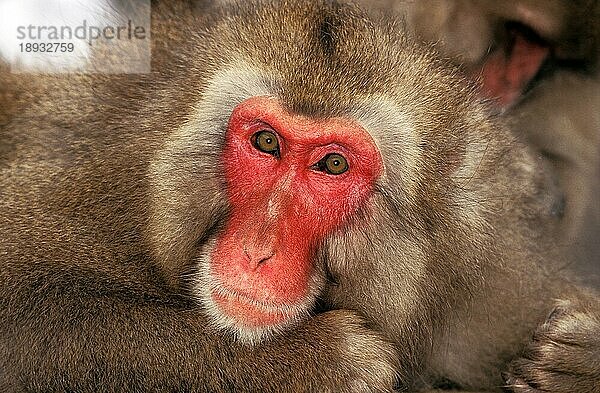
(564, 352)
(71, 331)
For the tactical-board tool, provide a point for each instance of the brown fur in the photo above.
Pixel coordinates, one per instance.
(439, 282)
(558, 114)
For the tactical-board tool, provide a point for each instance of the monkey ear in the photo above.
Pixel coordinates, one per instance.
(507, 72)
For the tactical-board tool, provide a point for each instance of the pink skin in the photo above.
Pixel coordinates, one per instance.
(507, 71)
(281, 207)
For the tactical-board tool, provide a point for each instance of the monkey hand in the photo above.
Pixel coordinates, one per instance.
(564, 354)
(352, 357)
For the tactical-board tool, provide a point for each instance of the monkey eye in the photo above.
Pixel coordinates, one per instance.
(334, 164)
(267, 142)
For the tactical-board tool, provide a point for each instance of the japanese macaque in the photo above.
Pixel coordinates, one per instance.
(296, 198)
(538, 62)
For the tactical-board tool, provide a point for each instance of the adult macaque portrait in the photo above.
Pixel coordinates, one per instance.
(297, 198)
(538, 62)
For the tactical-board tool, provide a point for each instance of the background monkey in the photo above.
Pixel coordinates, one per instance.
(386, 191)
(542, 58)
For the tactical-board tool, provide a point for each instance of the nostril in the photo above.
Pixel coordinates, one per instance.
(265, 259)
(256, 258)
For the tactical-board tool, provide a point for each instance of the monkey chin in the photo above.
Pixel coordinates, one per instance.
(250, 321)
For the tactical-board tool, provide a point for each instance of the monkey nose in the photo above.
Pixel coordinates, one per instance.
(257, 256)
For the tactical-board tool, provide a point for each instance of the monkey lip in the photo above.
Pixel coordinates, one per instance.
(250, 312)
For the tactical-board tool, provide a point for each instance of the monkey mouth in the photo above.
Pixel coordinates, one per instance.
(251, 313)
(510, 70)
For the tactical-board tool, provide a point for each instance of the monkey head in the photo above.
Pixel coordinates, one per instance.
(300, 136)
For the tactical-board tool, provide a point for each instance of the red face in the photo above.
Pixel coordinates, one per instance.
(291, 180)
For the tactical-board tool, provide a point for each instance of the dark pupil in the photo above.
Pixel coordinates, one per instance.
(334, 164)
(266, 142)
